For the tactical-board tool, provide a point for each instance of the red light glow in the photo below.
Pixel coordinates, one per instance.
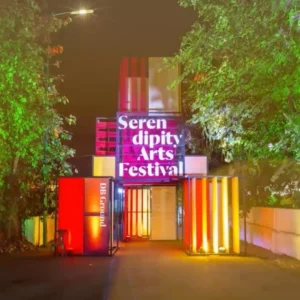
(70, 212)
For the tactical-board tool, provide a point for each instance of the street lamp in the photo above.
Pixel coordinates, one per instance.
(82, 12)
(45, 140)
(75, 12)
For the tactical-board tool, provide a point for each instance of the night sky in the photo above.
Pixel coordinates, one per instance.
(94, 44)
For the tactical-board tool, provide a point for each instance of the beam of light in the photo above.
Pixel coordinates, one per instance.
(235, 215)
(225, 214)
(215, 224)
(82, 12)
(194, 217)
(204, 215)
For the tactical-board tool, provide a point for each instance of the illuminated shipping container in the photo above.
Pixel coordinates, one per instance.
(153, 191)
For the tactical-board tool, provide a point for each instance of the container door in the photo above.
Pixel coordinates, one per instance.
(163, 217)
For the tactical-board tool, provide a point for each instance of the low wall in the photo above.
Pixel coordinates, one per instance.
(34, 230)
(275, 229)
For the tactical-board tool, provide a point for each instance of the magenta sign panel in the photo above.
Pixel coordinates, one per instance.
(150, 147)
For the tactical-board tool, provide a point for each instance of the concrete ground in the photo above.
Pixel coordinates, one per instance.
(146, 270)
(160, 271)
(47, 277)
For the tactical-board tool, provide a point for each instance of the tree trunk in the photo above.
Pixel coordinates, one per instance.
(13, 224)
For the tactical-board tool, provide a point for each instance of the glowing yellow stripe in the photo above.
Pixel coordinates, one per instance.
(97, 166)
(235, 215)
(194, 217)
(149, 211)
(215, 224)
(225, 213)
(129, 208)
(38, 231)
(204, 215)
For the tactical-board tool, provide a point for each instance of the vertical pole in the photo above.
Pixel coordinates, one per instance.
(215, 224)
(204, 214)
(235, 215)
(225, 213)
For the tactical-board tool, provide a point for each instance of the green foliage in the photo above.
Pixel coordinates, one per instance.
(272, 200)
(240, 61)
(32, 137)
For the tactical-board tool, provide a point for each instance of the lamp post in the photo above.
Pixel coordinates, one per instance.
(45, 139)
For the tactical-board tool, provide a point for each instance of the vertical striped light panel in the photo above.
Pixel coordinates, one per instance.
(206, 215)
(194, 215)
(133, 84)
(199, 207)
(123, 87)
(125, 214)
(186, 214)
(235, 215)
(225, 223)
(215, 221)
(137, 211)
(204, 195)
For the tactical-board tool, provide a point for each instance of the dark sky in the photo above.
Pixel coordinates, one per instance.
(94, 44)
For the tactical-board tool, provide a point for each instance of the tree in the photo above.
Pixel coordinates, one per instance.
(31, 130)
(244, 58)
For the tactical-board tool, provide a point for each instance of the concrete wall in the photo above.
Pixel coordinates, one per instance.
(275, 229)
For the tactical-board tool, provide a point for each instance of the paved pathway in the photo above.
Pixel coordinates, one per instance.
(48, 277)
(145, 270)
(158, 271)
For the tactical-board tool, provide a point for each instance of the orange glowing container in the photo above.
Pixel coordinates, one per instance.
(86, 207)
(208, 228)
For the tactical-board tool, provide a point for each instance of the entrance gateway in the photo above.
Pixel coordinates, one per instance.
(150, 213)
(143, 185)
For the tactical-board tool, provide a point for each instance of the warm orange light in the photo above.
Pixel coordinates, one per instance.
(134, 212)
(225, 213)
(146, 212)
(204, 215)
(129, 212)
(93, 233)
(235, 215)
(95, 227)
(92, 203)
(194, 217)
(82, 12)
(138, 212)
(215, 224)
(149, 212)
